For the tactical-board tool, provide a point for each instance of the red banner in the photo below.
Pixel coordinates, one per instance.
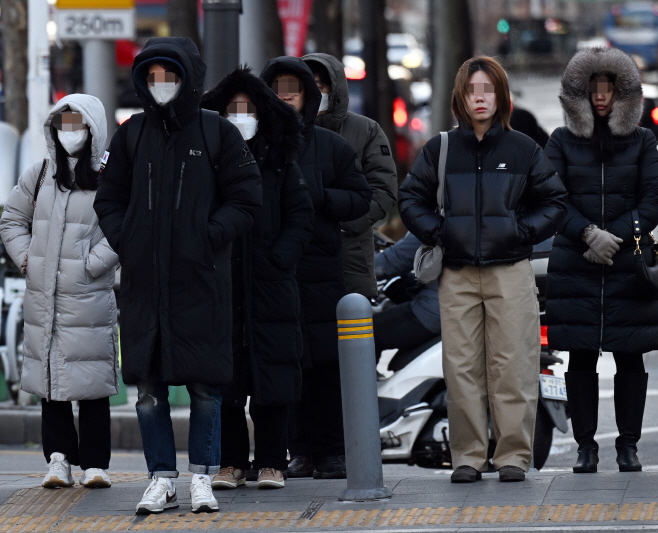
(294, 18)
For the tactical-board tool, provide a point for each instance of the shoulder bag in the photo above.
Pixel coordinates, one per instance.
(646, 272)
(428, 260)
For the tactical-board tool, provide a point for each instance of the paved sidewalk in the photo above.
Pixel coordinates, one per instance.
(546, 501)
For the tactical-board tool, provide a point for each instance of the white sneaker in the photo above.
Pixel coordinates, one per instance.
(202, 498)
(158, 497)
(59, 472)
(95, 478)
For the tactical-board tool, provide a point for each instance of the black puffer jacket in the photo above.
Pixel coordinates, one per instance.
(502, 195)
(340, 193)
(591, 306)
(171, 218)
(267, 339)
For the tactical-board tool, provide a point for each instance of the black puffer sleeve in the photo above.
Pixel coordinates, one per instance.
(349, 196)
(238, 187)
(647, 195)
(417, 195)
(545, 198)
(114, 189)
(574, 222)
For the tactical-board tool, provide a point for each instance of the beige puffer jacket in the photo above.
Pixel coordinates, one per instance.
(69, 308)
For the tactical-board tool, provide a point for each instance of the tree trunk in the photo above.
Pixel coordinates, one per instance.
(183, 20)
(328, 27)
(451, 46)
(14, 45)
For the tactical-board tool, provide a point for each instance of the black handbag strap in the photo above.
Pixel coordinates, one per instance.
(42, 177)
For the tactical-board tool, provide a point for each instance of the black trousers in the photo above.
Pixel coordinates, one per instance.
(270, 436)
(399, 328)
(586, 360)
(93, 447)
(316, 425)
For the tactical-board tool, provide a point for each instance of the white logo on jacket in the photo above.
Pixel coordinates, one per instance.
(502, 166)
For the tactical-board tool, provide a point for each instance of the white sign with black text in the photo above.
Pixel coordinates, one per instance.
(95, 23)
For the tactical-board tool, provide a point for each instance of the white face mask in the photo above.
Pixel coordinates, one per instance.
(164, 92)
(73, 141)
(246, 125)
(324, 103)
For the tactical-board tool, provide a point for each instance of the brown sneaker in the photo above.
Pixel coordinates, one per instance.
(270, 478)
(229, 478)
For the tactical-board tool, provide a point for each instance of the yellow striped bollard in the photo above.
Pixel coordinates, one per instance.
(358, 381)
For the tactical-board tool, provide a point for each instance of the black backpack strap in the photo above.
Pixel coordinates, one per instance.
(210, 130)
(135, 127)
(42, 178)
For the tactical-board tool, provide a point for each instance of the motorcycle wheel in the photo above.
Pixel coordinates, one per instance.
(543, 437)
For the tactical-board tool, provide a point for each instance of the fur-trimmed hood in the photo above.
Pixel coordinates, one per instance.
(278, 123)
(575, 95)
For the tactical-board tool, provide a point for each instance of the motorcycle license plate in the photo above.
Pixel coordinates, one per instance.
(553, 387)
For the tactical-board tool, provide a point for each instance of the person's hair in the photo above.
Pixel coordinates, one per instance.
(85, 177)
(319, 70)
(602, 138)
(498, 77)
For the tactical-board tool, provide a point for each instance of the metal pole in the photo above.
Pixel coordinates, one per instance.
(100, 77)
(38, 78)
(358, 382)
(221, 38)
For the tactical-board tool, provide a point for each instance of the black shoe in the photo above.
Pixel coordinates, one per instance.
(331, 467)
(630, 397)
(465, 474)
(511, 474)
(300, 466)
(251, 474)
(627, 459)
(588, 458)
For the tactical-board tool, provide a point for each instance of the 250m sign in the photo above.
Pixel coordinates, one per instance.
(95, 23)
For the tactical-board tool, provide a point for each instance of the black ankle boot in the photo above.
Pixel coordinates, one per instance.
(630, 397)
(588, 458)
(583, 398)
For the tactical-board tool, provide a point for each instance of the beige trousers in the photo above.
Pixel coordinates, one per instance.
(491, 345)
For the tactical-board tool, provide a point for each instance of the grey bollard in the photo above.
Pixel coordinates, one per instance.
(358, 382)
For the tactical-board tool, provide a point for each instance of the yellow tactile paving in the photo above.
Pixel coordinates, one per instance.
(29, 522)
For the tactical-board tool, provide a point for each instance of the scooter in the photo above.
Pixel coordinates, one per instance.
(413, 412)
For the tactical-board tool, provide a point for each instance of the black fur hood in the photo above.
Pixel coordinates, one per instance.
(575, 95)
(278, 123)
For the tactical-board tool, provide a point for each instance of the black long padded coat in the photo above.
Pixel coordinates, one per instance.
(591, 306)
(340, 193)
(267, 337)
(171, 218)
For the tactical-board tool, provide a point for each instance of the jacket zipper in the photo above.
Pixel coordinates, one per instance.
(180, 184)
(602, 266)
(478, 203)
(150, 189)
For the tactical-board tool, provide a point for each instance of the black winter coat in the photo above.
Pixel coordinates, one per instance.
(340, 193)
(502, 195)
(267, 337)
(171, 218)
(591, 306)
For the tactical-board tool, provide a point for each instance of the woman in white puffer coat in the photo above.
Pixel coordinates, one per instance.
(70, 349)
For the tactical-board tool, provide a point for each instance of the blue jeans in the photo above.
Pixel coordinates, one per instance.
(153, 414)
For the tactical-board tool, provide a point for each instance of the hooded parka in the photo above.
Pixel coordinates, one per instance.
(267, 344)
(374, 151)
(340, 193)
(171, 214)
(70, 347)
(590, 306)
